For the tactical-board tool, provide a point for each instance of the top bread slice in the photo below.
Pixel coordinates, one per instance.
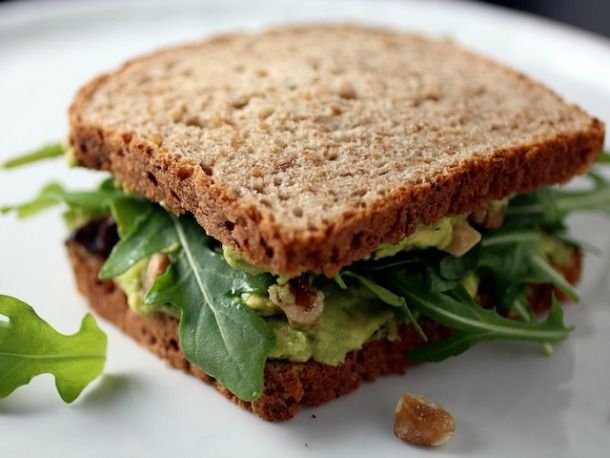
(306, 147)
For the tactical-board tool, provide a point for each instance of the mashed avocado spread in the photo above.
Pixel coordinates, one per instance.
(437, 235)
(131, 284)
(350, 318)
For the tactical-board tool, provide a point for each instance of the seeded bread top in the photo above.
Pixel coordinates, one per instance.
(305, 147)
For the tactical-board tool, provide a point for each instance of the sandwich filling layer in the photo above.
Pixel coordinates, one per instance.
(234, 317)
(348, 317)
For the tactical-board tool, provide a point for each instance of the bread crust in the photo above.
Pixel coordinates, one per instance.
(288, 386)
(145, 167)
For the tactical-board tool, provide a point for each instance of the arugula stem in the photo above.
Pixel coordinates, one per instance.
(46, 152)
(527, 315)
(557, 278)
(513, 237)
(567, 201)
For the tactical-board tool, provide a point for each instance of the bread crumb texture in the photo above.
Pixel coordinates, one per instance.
(305, 147)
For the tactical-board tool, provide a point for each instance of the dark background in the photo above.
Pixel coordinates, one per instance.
(593, 15)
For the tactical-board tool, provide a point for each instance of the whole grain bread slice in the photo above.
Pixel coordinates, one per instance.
(288, 386)
(306, 147)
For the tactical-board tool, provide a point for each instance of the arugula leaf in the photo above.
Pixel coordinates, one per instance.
(513, 260)
(128, 211)
(453, 345)
(83, 206)
(153, 233)
(550, 206)
(218, 333)
(390, 298)
(54, 194)
(46, 152)
(543, 272)
(30, 347)
(339, 281)
(604, 158)
(44, 200)
(457, 310)
(462, 340)
(459, 267)
(523, 310)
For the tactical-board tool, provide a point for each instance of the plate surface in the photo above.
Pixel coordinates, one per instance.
(508, 399)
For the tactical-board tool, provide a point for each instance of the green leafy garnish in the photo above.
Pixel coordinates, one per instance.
(511, 260)
(461, 341)
(46, 152)
(30, 347)
(154, 233)
(457, 310)
(432, 282)
(218, 333)
(54, 194)
(604, 158)
(550, 206)
(83, 206)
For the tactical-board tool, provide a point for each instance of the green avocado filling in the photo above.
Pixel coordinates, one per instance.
(132, 285)
(233, 316)
(437, 235)
(350, 319)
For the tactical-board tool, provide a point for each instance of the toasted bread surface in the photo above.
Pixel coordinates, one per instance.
(306, 147)
(288, 386)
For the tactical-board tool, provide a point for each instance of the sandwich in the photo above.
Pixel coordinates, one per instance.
(294, 212)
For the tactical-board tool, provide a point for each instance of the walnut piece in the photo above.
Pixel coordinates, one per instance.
(419, 421)
(488, 218)
(464, 238)
(299, 300)
(156, 267)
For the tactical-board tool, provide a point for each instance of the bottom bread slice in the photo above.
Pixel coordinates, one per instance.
(288, 386)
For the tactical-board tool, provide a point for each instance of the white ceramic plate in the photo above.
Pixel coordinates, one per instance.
(508, 399)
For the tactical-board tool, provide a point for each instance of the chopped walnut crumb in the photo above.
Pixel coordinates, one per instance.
(419, 421)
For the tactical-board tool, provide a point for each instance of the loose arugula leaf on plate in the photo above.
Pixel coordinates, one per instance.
(46, 152)
(30, 347)
(218, 333)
